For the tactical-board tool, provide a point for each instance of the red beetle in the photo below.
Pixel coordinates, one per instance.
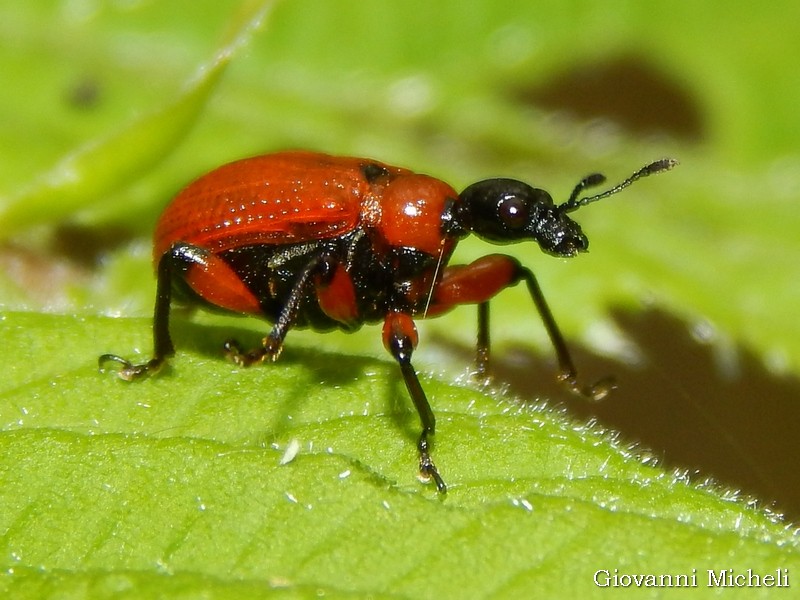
(309, 240)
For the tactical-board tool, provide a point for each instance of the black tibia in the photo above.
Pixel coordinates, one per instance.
(401, 349)
(171, 265)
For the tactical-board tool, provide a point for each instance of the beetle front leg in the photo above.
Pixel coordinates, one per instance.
(480, 281)
(567, 372)
(482, 351)
(400, 339)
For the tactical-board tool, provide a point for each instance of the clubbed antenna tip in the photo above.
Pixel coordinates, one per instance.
(665, 164)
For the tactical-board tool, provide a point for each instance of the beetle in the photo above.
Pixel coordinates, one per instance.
(305, 239)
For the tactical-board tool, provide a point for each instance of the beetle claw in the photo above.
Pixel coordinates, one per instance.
(428, 472)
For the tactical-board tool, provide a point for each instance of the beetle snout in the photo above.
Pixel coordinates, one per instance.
(563, 238)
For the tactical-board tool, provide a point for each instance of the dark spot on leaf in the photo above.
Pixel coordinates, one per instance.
(627, 90)
(84, 94)
(85, 245)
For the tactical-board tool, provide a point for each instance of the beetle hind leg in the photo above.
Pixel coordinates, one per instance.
(174, 260)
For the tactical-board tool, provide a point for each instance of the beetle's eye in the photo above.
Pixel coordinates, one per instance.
(513, 211)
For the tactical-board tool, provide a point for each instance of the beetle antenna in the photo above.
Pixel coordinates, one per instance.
(665, 164)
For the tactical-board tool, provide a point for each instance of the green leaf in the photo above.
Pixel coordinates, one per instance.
(89, 172)
(181, 477)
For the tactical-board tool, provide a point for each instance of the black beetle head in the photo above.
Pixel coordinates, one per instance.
(504, 211)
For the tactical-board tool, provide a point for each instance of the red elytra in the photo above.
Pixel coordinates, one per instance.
(304, 239)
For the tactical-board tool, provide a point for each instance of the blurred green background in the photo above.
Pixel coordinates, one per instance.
(688, 295)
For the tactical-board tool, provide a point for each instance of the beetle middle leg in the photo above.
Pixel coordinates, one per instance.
(272, 345)
(484, 278)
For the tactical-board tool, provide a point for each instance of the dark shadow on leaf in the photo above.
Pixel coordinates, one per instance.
(737, 426)
(326, 368)
(626, 89)
(208, 340)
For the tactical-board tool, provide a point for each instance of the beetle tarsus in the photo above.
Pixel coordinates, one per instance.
(272, 346)
(130, 371)
(234, 352)
(426, 467)
(269, 351)
(594, 392)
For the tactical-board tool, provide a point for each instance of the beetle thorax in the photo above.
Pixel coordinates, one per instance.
(409, 213)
